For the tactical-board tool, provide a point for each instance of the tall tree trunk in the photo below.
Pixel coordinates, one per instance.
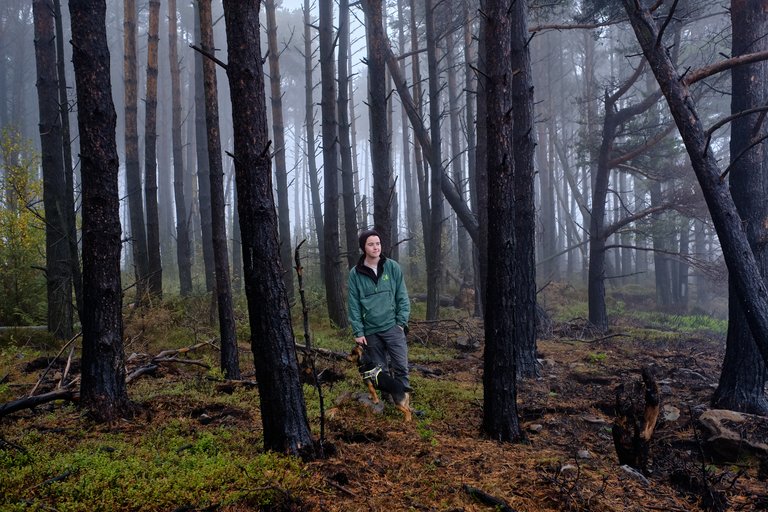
(132, 168)
(661, 262)
(182, 228)
(69, 173)
(434, 250)
(481, 176)
(744, 374)
(418, 147)
(102, 388)
(500, 418)
(345, 144)
(383, 189)
(743, 268)
(524, 145)
(333, 281)
(457, 171)
(278, 134)
(283, 413)
(58, 273)
(230, 363)
(309, 107)
(155, 276)
(203, 169)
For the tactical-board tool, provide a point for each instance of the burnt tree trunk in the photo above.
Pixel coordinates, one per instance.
(743, 376)
(742, 265)
(500, 418)
(309, 106)
(284, 416)
(230, 364)
(345, 144)
(155, 275)
(58, 273)
(132, 168)
(183, 247)
(203, 169)
(102, 388)
(278, 133)
(333, 282)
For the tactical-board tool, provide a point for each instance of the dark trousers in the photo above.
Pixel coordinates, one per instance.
(390, 343)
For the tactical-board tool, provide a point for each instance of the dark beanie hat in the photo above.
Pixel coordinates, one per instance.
(364, 235)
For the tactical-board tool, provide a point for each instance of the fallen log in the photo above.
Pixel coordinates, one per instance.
(486, 499)
(33, 401)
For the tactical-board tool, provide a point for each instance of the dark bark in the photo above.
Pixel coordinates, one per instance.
(742, 265)
(524, 145)
(278, 132)
(434, 250)
(743, 376)
(661, 261)
(286, 428)
(58, 273)
(102, 388)
(333, 282)
(69, 174)
(383, 187)
(203, 169)
(500, 418)
(345, 143)
(155, 276)
(183, 255)
(481, 176)
(132, 168)
(230, 363)
(309, 107)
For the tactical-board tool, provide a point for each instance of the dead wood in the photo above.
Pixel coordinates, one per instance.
(165, 357)
(50, 365)
(486, 499)
(637, 409)
(330, 354)
(33, 401)
(230, 386)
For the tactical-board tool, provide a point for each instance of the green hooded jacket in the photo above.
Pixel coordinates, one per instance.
(377, 301)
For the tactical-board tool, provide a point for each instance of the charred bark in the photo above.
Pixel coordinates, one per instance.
(286, 428)
(102, 389)
(155, 269)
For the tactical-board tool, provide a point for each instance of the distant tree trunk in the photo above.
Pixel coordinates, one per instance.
(203, 169)
(132, 168)
(383, 189)
(278, 133)
(661, 262)
(500, 418)
(333, 281)
(457, 171)
(743, 376)
(742, 266)
(182, 227)
(410, 189)
(309, 107)
(418, 147)
(434, 250)
(69, 175)
(58, 273)
(481, 176)
(524, 145)
(230, 363)
(102, 388)
(347, 173)
(155, 276)
(283, 413)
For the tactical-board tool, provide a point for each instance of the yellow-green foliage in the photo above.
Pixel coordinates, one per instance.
(22, 236)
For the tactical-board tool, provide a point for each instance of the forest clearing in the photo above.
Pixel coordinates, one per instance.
(195, 444)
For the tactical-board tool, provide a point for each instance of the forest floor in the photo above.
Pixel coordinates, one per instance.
(195, 445)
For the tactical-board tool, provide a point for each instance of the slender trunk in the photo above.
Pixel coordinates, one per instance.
(230, 364)
(278, 134)
(309, 107)
(333, 280)
(58, 273)
(203, 169)
(434, 250)
(69, 173)
(155, 276)
(347, 174)
(283, 413)
(182, 228)
(132, 167)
